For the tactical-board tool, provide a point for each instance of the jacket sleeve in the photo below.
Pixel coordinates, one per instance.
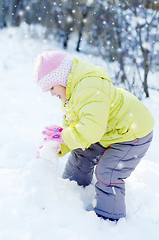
(93, 112)
(64, 150)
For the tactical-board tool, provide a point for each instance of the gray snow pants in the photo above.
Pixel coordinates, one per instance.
(113, 165)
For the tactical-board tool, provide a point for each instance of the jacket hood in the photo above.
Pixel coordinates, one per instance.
(82, 69)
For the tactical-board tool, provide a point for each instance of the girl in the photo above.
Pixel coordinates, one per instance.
(103, 126)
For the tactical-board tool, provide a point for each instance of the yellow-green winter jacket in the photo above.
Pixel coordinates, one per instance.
(97, 111)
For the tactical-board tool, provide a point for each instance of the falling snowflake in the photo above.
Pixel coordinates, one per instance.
(27, 8)
(69, 19)
(21, 13)
(133, 125)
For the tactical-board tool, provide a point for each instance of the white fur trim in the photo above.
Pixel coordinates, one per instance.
(37, 63)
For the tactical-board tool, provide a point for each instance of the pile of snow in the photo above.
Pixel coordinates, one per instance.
(35, 202)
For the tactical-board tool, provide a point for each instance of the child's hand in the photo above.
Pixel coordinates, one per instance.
(53, 132)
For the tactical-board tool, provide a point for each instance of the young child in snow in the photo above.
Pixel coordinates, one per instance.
(103, 126)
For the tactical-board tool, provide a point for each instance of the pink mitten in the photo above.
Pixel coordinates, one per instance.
(53, 132)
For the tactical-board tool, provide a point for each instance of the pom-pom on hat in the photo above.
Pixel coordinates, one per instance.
(52, 68)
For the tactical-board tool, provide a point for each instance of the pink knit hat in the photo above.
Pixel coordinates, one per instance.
(52, 68)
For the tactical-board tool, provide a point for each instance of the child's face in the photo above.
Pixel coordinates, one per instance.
(59, 91)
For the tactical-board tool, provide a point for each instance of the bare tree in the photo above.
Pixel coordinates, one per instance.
(146, 14)
(15, 12)
(2, 14)
(85, 9)
(127, 37)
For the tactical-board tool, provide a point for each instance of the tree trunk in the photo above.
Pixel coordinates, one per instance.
(66, 38)
(84, 16)
(11, 13)
(18, 18)
(146, 71)
(1, 14)
(80, 37)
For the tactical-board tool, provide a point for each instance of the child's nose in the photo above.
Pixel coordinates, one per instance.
(52, 93)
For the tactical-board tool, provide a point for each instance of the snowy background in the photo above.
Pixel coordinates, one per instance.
(35, 203)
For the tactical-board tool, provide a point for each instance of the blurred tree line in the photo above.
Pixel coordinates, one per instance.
(125, 33)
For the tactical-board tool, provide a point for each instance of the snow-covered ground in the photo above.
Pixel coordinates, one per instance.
(34, 202)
